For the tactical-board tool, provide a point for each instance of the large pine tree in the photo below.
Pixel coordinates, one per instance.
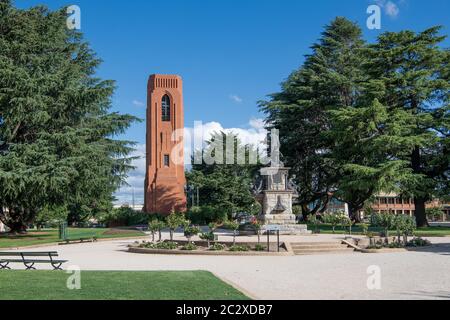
(57, 145)
(330, 78)
(414, 70)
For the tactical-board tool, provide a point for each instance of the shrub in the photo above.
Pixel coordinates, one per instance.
(205, 215)
(189, 247)
(418, 242)
(167, 245)
(190, 231)
(405, 226)
(365, 228)
(217, 247)
(434, 214)
(239, 248)
(260, 247)
(332, 219)
(383, 220)
(208, 236)
(123, 217)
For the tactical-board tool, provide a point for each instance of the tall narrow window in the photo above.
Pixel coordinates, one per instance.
(166, 160)
(165, 105)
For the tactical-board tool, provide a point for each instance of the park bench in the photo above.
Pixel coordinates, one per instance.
(12, 257)
(79, 240)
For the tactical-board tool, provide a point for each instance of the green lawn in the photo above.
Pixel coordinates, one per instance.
(422, 232)
(116, 285)
(51, 236)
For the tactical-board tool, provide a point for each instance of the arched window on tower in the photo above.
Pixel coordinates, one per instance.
(165, 105)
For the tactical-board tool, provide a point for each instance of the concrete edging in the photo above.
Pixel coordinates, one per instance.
(207, 253)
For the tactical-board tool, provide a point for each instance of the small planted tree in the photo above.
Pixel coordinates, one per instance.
(190, 231)
(383, 220)
(346, 222)
(333, 220)
(409, 227)
(233, 225)
(156, 226)
(173, 221)
(209, 236)
(257, 226)
(153, 228)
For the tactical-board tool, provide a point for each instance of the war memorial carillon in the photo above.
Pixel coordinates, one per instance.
(165, 180)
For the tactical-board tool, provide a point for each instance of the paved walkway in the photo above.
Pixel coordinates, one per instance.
(409, 275)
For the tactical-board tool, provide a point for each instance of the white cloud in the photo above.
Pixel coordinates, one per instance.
(391, 9)
(138, 103)
(235, 98)
(254, 134)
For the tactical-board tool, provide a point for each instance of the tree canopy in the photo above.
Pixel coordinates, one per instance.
(357, 119)
(57, 136)
(225, 185)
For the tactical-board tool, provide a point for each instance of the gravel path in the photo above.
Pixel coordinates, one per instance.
(408, 275)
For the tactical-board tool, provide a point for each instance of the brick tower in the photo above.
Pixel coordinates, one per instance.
(165, 180)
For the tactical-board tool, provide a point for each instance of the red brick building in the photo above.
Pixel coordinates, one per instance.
(165, 180)
(392, 203)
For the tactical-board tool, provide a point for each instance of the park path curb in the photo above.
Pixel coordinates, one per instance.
(237, 287)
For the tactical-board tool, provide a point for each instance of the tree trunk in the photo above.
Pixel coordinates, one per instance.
(421, 217)
(17, 227)
(419, 202)
(305, 213)
(15, 221)
(353, 213)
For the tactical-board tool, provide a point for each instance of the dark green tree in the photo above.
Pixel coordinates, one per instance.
(225, 184)
(365, 137)
(330, 78)
(414, 70)
(57, 136)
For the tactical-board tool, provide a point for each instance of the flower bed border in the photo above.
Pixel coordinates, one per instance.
(134, 248)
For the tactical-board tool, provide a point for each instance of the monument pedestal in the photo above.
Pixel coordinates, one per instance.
(277, 203)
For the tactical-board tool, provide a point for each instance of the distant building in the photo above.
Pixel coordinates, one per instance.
(395, 204)
(391, 203)
(2, 227)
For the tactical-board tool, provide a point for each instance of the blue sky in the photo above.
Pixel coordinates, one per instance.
(230, 53)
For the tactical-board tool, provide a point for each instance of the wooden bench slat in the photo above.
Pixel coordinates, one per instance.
(32, 254)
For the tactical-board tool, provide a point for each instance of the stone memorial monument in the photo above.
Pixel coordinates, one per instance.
(276, 197)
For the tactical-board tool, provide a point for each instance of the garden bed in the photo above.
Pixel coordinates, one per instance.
(202, 249)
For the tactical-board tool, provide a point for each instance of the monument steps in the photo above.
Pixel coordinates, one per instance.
(309, 248)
